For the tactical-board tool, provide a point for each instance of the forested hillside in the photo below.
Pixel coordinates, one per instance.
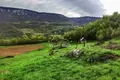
(105, 28)
(15, 22)
(8, 14)
(8, 31)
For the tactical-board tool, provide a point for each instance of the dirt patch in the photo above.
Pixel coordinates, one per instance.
(104, 57)
(112, 45)
(15, 50)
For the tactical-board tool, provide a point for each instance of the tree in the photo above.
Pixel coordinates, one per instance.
(100, 35)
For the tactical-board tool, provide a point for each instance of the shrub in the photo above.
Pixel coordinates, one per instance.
(91, 55)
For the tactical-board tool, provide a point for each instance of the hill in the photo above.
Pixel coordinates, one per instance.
(22, 20)
(9, 14)
(83, 20)
(8, 30)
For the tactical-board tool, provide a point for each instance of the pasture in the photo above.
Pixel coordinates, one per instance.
(38, 65)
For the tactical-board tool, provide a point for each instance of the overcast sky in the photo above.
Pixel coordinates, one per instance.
(70, 8)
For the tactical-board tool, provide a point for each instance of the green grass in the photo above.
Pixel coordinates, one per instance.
(38, 65)
(117, 40)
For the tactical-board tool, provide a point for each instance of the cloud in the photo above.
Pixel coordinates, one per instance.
(111, 6)
(71, 8)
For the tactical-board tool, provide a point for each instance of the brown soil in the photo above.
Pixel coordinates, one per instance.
(15, 50)
(113, 46)
(105, 57)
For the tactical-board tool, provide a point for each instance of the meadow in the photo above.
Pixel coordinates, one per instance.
(39, 65)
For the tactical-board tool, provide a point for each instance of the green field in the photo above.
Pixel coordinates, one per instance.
(38, 65)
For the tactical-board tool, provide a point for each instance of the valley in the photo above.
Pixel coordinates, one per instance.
(50, 46)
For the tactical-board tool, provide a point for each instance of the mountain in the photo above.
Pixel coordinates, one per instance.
(15, 22)
(8, 14)
(83, 20)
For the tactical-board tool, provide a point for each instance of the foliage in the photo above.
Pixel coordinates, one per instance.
(25, 39)
(74, 35)
(91, 55)
(57, 42)
(104, 29)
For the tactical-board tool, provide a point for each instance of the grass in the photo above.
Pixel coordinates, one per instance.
(116, 41)
(38, 65)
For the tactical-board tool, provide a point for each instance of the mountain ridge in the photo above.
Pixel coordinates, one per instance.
(18, 15)
(9, 14)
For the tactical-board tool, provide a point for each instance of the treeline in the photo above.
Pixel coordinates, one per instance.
(30, 38)
(104, 29)
(17, 34)
(25, 39)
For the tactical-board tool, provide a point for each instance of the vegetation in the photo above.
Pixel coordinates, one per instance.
(24, 33)
(25, 39)
(38, 65)
(95, 61)
(105, 29)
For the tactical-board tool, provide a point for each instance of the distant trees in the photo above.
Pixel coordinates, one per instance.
(25, 39)
(57, 41)
(74, 35)
(106, 28)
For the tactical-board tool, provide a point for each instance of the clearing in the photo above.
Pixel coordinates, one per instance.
(38, 65)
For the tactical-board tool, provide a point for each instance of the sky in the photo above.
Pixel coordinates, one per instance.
(70, 8)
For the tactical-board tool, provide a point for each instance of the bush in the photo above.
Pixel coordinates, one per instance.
(92, 55)
(55, 38)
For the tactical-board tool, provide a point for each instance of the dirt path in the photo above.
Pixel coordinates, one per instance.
(15, 50)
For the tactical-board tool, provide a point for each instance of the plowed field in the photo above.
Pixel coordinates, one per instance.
(15, 50)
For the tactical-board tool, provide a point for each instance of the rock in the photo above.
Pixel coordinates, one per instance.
(74, 53)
